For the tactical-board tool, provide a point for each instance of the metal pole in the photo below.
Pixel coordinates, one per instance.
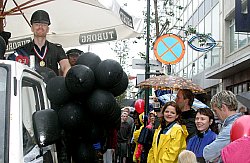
(147, 66)
(1, 19)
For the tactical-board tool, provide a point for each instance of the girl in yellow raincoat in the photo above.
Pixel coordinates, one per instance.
(136, 136)
(170, 138)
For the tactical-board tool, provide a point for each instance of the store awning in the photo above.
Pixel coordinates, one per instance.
(229, 68)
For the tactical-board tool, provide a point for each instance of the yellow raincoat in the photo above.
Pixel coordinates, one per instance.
(136, 135)
(170, 145)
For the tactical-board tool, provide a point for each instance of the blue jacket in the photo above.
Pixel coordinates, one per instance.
(213, 151)
(197, 143)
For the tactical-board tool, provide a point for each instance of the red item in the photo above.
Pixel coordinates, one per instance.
(139, 105)
(22, 59)
(237, 151)
(138, 152)
(240, 128)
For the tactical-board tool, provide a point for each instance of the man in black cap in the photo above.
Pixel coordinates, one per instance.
(73, 55)
(45, 53)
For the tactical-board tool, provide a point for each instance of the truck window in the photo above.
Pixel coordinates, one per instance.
(32, 101)
(3, 109)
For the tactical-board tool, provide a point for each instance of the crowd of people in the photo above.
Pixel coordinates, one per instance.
(184, 135)
(176, 133)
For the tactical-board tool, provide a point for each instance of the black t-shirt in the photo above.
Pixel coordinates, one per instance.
(52, 57)
(188, 118)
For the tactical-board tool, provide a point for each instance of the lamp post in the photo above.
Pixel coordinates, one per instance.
(147, 66)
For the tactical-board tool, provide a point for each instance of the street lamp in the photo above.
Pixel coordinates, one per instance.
(147, 66)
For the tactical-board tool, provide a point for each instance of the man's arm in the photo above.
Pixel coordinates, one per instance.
(64, 66)
(212, 151)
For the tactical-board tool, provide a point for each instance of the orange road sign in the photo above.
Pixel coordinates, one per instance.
(169, 49)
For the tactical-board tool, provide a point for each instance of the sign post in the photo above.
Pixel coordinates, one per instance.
(147, 67)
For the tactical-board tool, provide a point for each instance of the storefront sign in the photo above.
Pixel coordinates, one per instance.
(100, 36)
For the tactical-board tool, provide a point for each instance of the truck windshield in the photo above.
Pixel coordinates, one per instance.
(3, 103)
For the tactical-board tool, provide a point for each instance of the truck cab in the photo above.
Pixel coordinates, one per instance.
(25, 135)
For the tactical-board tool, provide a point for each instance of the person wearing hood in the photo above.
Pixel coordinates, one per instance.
(170, 138)
(136, 137)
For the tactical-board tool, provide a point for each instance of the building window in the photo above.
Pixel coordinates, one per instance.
(215, 56)
(237, 40)
(207, 6)
(233, 37)
(201, 12)
(201, 64)
(207, 59)
(242, 39)
(244, 87)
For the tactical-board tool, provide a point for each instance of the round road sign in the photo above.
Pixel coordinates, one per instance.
(169, 49)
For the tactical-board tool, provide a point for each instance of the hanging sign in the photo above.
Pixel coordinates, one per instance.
(169, 49)
(202, 43)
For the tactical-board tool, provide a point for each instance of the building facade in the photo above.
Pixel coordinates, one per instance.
(235, 67)
(205, 16)
(227, 65)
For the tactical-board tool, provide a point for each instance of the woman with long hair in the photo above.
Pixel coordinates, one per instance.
(170, 138)
(207, 130)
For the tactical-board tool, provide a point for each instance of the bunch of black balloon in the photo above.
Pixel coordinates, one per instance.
(86, 104)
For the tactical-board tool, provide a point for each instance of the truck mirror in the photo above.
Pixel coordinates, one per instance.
(46, 127)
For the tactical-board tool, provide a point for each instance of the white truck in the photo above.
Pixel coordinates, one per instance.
(28, 128)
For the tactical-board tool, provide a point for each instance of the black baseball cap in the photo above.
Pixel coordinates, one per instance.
(40, 16)
(74, 52)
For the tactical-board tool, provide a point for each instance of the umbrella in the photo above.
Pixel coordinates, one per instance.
(168, 82)
(171, 97)
(244, 98)
(73, 22)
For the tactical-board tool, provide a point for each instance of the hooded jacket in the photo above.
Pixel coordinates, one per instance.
(136, 136)
(169, 146)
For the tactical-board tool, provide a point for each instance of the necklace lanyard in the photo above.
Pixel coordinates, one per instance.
(44, 53)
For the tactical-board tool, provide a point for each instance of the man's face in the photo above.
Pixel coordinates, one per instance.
(124, 117)
(40, 29)
(72, 59)
(220, 114)
(180, 101)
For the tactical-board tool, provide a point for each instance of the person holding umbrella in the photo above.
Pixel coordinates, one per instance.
(184, 100)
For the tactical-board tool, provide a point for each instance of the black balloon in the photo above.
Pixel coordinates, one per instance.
(74, 119)
(114, 117)
(89, 59)
(108, 73)
(83, 153)
(96, 133)
(80, 79)
(121, 87)
(101, 104)
(46, 73)
(57, 91)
